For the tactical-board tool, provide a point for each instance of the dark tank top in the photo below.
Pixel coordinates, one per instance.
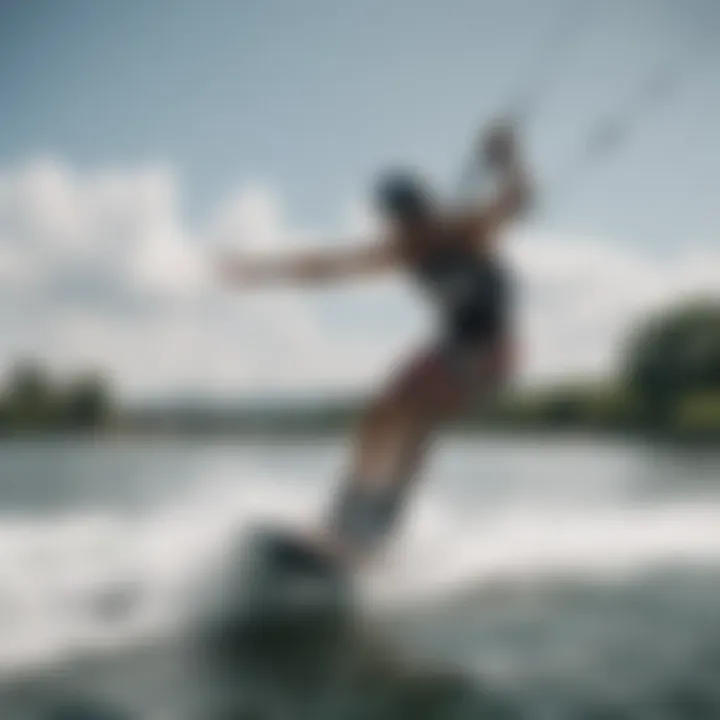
(470, 292)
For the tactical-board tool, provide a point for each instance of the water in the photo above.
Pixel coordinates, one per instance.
(564, 578)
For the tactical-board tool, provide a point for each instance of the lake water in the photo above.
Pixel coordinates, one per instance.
(570, 577)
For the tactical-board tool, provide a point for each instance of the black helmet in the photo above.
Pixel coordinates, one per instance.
(402, 194)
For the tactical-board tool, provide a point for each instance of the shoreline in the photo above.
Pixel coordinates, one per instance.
(290, 434)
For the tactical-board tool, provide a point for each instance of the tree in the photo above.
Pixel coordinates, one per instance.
(29, 399)
(673, 355)
(87, 403)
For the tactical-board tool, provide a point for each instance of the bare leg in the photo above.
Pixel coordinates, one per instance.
(393, 441)
(387, 452)
(390, 445)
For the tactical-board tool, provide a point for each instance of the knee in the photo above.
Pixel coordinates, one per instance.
(380, 416)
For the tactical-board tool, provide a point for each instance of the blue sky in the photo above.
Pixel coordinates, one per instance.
(133, 134)
(314, 97)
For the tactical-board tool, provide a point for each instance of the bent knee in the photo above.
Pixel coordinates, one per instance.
(399, 410)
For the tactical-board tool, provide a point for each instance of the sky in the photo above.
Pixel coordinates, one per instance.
(137, 138)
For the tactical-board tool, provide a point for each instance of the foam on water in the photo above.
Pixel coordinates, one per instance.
(86, 580)
(105, 578)
(442, 551)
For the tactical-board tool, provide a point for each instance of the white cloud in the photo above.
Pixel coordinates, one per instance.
(100, 269)
(251, 218)
(583, 296)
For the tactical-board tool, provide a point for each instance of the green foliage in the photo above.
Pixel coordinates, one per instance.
(670, 382)
(699, 416)
(28, 399)
(614, 407)
(574, 405)
(675, 355)
(87, 403)
(31, 402)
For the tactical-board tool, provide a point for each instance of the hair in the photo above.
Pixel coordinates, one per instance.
(403, 195)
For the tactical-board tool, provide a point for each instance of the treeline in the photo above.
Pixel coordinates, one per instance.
(32, 401)
(668, 384)
(673, 368)
(609, 408)
(194, 419)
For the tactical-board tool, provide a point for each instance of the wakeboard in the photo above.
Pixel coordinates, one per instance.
(274, 579)
(288, 575)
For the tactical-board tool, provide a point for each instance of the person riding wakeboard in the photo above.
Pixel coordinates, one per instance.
(452, 255)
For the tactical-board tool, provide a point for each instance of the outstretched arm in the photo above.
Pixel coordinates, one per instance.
(310, 267)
